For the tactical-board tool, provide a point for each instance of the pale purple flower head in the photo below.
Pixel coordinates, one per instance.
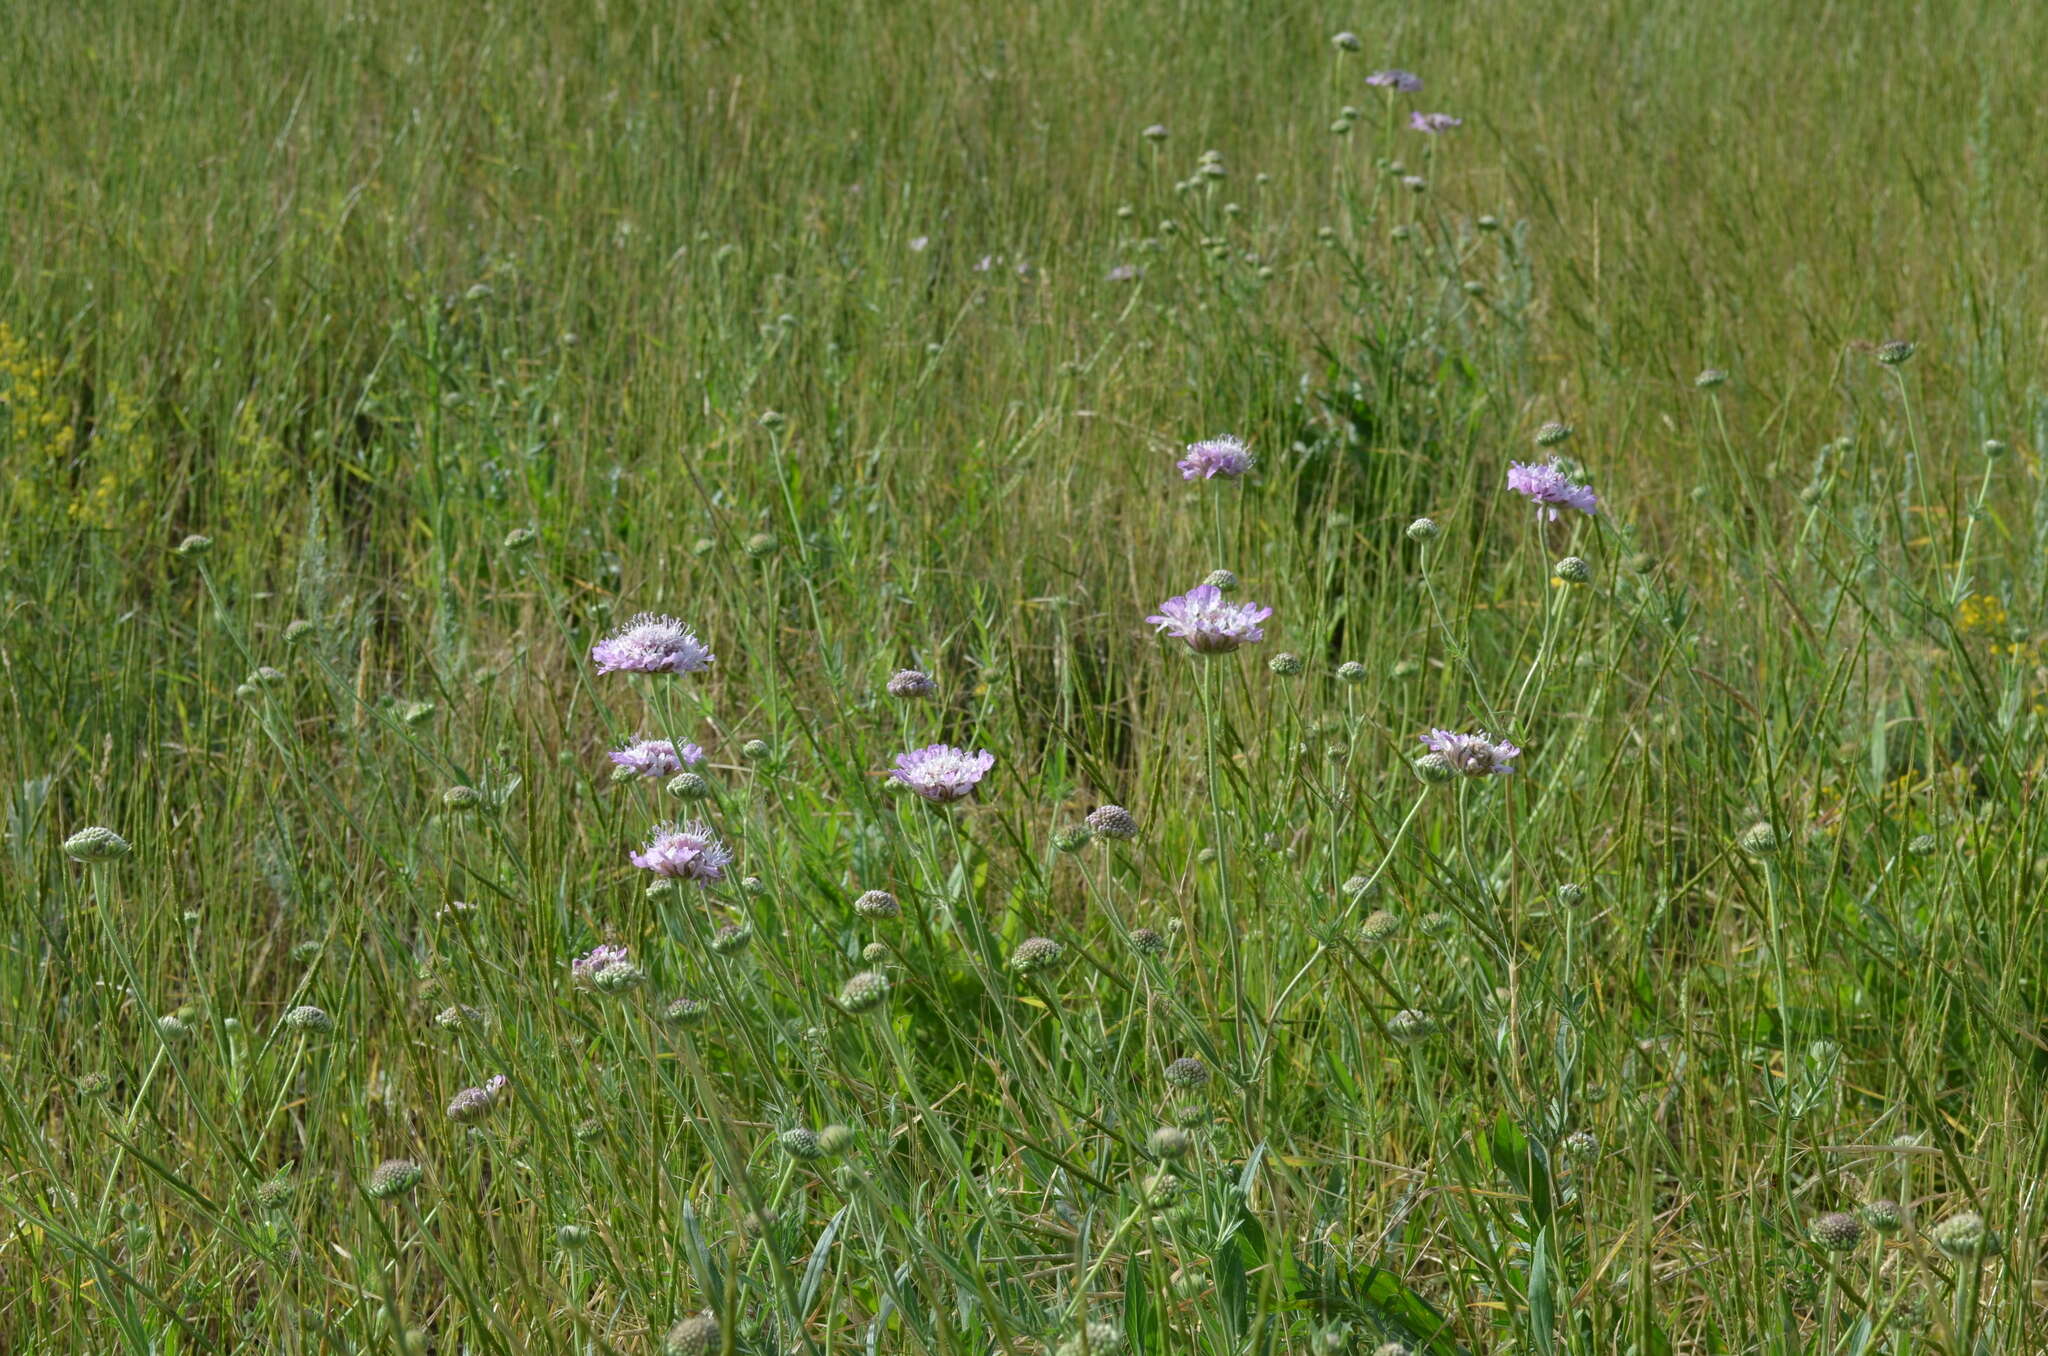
(1474, 755)
(1433, 123)
(651, 644)
(1122, 273)
(584, 969)
(1408, 82)
(1209, 624)
(657, 757)
(1226, 456)
(1548, 486)
(685, 852)
(941, 773)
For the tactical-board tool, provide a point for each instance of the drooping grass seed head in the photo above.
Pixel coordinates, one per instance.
(864, 992)
(96, 844)
(393, 1177)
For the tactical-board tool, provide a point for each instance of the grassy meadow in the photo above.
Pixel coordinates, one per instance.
(364, 365)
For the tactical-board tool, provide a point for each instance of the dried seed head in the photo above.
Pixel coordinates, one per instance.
(1112, 821)
(1147, 942)
(912, 685)
(1836, 1231)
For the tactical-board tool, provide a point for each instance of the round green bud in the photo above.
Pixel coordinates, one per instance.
(1380, 926)
(1571, 894)
(1994, 449)
(1410, 1026)
(1893, 352)
(761, 545)
(1573, 570)
(298, 630)
(309, 1019)
(1351, 671)
(96, 844)
(462, 799)
(801, 1144)
(194, 545)
(1884, 1217)
(1710, 378)
(1424, 529)
(1553, 433)
(755, 751)
(1434, 768)
(520, 539)
(686, 786)
(1170, 1142)
(835, 1140)
(1759, 839)
(698, 1336)
(1287, 664)
(393, 1177)
(1964, 1235)
(571, 1237)
(1223, 581)
(864, 992)
(1836, 1231)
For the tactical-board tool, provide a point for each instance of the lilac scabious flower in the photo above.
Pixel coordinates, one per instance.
(651, 644)
(1209, 624)
(657, 757)
(1475, 755)
(585, 969)
(1433, 123)
(685, 852)
(1408, 82)
(1548, 486)
(941, 773)
(1225, 456)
